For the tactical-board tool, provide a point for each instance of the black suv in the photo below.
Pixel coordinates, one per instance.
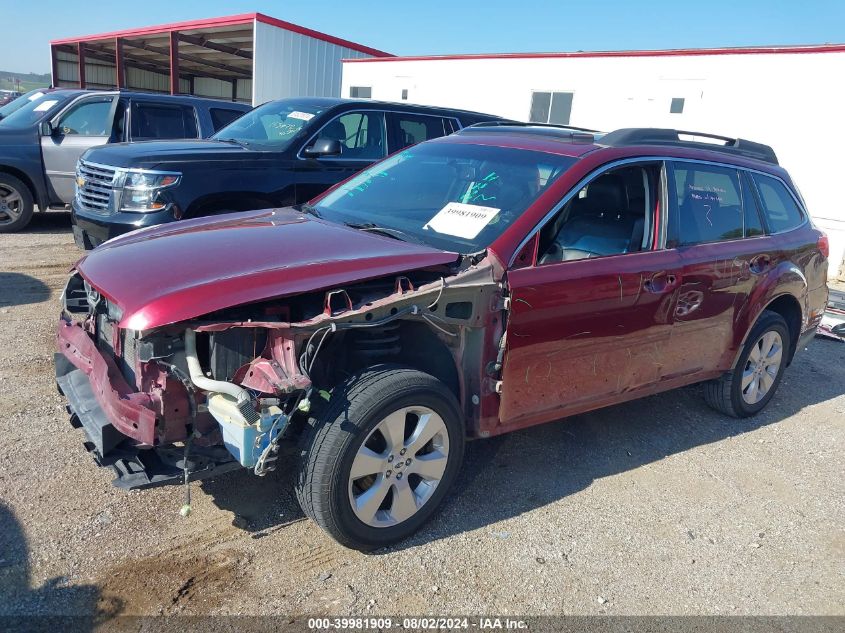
(282, 153)
(42, 137)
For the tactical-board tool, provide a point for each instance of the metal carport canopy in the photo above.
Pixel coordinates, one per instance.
(210, 57)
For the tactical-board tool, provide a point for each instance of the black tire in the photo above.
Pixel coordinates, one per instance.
(354, 411)
(725, 393)
(27, 204)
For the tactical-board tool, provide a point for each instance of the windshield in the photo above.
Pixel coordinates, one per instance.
(271, 126)
(31, 108)
(451, 196)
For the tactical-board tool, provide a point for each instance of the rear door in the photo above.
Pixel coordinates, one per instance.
(715, 222)
(85, 124)
(363, 140)
(590, 322)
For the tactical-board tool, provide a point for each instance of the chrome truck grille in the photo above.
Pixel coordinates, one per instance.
(95, 188)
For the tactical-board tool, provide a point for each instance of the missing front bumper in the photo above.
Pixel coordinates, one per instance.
(136, 465)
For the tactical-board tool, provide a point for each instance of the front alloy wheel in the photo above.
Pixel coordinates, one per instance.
(393, 477)
(16, 204)
(382, 456)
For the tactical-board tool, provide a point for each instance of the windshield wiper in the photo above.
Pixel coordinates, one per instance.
(396, 234)
(232, 140)
(310, 210)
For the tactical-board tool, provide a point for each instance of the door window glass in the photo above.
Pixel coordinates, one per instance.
(708, 203)
(88, 118)
(779, 207)
(162, 120)
(361, 135)
(611, 215)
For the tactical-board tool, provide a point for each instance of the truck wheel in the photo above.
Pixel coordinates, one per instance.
(748, 387)
(16, 204)
(381, 456)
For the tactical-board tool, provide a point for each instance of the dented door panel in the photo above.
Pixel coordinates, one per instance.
(582, 332)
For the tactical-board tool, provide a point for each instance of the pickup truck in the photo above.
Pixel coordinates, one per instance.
(281, 153)
(41, 141)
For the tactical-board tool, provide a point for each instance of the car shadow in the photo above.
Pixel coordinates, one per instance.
(519, 472)
(19, 289)
(270, 505)
(49, 223)
(56, 605)
(509, 475)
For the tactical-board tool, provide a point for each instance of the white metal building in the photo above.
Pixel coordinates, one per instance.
(251, 58)
(788, 97)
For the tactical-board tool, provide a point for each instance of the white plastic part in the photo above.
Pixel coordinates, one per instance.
(207, 384)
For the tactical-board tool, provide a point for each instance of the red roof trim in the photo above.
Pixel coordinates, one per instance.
(289, 26)
(231, 20)
(680, 52)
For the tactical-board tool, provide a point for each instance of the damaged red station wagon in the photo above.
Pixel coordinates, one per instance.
(501, 277)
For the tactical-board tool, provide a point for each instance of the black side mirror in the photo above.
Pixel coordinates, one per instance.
(323, 147)
(46, 129)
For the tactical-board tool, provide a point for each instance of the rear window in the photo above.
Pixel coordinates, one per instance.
(779, 207)
(221, 117)
(162, 121)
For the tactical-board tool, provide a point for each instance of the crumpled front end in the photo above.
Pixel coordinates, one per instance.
(233, 387)
(136, 414)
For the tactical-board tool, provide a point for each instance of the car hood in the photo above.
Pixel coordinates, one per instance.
(147, 153)
(165, 274)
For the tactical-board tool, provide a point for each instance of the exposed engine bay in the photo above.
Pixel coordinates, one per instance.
(235, 387)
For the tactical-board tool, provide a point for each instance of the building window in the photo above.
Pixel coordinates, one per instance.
(677, 105)
(404, 94)
(551, 107)
(360, 92)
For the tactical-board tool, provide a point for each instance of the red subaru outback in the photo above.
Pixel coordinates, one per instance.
(504, 276)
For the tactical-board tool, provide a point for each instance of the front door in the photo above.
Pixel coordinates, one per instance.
(363, 141)
(85, 124)
(590, 322)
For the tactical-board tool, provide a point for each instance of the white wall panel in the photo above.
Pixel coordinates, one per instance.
(288, 64)
(792, 102)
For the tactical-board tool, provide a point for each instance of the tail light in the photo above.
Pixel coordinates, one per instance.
(824, 245)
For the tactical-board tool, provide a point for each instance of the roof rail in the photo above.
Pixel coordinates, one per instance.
(660, 136)
(563, 133)
(558, 126)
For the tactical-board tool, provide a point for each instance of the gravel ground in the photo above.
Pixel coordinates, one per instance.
(659, 506)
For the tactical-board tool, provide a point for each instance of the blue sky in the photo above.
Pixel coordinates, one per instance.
(445, 27)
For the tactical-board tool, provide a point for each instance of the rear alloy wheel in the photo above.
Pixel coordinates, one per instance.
(752, 382)
(16, 204)
(381, 457)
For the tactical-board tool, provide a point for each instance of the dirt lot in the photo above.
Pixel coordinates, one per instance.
(661, 506)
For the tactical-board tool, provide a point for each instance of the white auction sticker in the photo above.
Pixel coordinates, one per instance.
(304, 116)
(34, 96)
(45, 105)
(462, 220)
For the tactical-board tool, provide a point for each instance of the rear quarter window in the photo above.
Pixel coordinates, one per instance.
(221, 117)
(779, 207)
